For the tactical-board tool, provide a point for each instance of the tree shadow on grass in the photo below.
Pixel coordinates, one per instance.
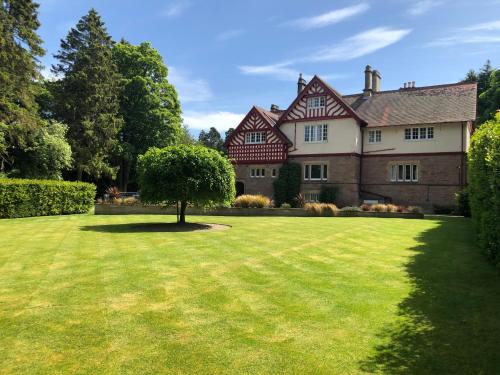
(151, 227)
(450, 322)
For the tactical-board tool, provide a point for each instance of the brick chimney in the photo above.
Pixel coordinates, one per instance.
(376, 80)
(301, 83)
(275, 108)
(368, 81)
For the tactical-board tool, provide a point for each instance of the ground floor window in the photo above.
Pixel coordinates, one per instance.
(273, 172)
(311, 196)
(404, 172)
(315, 172)
(257, 172)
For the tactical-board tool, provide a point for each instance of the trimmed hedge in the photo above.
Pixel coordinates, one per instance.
(287, 185)
(484, 186)
(24, 198)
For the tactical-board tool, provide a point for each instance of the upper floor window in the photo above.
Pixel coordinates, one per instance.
(415, 134)
(316, 133)
(255, 137)
(374, 136)
(316, 102)
(404, 172)
(315, 172)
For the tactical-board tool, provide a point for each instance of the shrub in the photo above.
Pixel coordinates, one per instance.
(415, 209)
(252, 201)
(286, 205)
(350, 209)
(113, 192)
(24, 198)
(484, 186)
(287, 185)
(379, 207)
(366, 207)
(443, 210)
(313, 208)
(299, 200)
(463, 207)
(328, 209)
(401, 209)
(391, 208)
(328, 194)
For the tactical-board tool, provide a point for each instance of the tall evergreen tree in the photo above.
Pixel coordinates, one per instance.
(211, 139)
(148, 103)
(20, 47)
(88, 100)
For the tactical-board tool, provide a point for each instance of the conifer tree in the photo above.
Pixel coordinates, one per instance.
(88, 100)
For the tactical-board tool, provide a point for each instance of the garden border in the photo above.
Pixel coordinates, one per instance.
(111, 209)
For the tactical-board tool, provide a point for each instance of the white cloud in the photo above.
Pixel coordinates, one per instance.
(423, 6)
(220, 120)
(360, 44)
(47, 74)
(486, 26)
(280, 71)
(189, 89)
(329, 18)
(229, 34)
(176, 8)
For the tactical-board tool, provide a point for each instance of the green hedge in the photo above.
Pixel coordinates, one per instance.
(484, 186)
(287, 185)
(24, 198)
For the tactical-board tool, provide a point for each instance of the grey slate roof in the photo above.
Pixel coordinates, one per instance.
(422, 105)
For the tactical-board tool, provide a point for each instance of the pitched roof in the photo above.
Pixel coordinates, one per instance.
(423, 105)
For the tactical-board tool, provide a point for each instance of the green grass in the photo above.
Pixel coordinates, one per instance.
(115, 295)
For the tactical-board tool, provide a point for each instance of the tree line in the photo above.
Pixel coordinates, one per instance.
(109, 103)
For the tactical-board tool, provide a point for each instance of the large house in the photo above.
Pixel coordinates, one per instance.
(406, 146)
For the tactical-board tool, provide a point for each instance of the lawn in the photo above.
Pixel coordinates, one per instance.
(119, 294)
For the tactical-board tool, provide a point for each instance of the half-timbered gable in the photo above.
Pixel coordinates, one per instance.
(257, 139)
(317, 101)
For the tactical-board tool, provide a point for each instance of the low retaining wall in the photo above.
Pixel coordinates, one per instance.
(109, 209)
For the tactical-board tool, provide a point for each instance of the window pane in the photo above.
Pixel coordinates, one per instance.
(407, 133)
(414, 176)
(325, 132)
(371, 137)
(430, 133)
(394, 173)
(274, 173)
(252, 172)
(378, 135)
(423, 133)
(306, 172)
(414, 133)
(263, 172)
(400, 172)
(306, 134)
(407, 172)
(315, 172)
(325, 172)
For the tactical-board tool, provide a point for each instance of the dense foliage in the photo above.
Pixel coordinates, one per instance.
(488, 91)
(211, 139)
(186, 175)
(287, 185)
(24, 198)
(88, 97)
(148, 104)
(328, 194)
(484, 187)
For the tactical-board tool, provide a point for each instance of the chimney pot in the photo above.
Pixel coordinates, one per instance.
(376, 80)
(301, 83)
(413, 84)
(405, 85)
(368, 81)
(274, 108)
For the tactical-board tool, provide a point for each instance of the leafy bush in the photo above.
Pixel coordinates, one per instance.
(463, 207)
(379, 207)
(286, 205)
(366, 207)
(484, 186)
(401, 209)
(252, 201)
(415, 209)
(300, 200)
(287, 185)
(24, 198)
(328, 194)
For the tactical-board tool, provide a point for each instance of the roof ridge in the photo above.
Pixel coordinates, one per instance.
(416, 88)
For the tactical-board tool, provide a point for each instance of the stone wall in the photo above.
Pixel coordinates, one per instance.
(257, 185)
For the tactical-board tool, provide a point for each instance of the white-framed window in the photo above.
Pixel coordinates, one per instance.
(257, 172)
(311, 196)
(316, 133)
(255, 137)
(316, 102)
(374, 136)
(404, 173)
(273, 173)
(315, 172)
(415, 134)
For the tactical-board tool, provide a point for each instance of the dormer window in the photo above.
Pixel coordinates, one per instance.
(255, 137)
(316, 102)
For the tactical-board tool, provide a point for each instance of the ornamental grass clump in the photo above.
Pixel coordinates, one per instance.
(252, 201)
(328, 209)
(314, 209)
(391, 208)
(366, 207)
(379, 208)
(415, 209)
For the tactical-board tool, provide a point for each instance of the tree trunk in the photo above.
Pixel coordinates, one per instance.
(79, 173)
(182, 215)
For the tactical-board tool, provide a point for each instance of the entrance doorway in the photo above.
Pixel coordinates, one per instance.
(240, 188)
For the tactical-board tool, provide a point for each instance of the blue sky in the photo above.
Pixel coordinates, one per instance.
(225, 56)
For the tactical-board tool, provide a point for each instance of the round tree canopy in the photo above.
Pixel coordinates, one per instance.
(186, 174)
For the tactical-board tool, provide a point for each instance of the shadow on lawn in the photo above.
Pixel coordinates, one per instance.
(149, 227)
(450, 322)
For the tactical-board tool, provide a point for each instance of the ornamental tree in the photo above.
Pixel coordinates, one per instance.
(185, 175)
